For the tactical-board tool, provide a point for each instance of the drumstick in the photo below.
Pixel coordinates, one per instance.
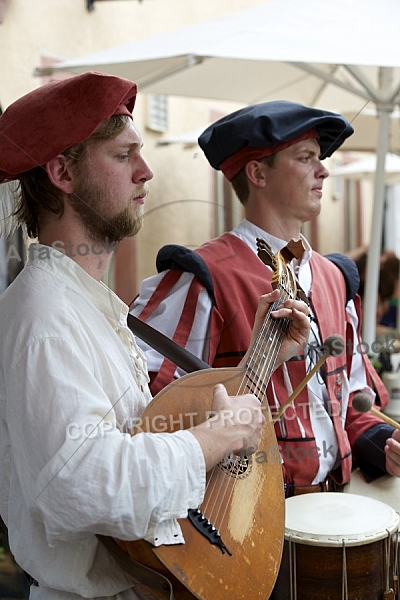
(363, 403)
(333, 346)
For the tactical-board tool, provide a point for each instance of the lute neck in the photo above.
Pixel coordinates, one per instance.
(261, 362)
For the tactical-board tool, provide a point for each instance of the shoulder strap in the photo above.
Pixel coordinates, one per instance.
(165, 346)
(174, 256)
(157, 582)
(349, 271)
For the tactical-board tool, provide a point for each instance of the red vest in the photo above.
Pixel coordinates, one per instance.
(240, 278)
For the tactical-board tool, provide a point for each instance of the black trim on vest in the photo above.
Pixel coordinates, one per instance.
(298, 439)
(349, 271)
(339, 369)
(173, 256)
(346, 455)
(230, 354)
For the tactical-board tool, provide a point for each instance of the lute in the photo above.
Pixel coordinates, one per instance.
(234, 540)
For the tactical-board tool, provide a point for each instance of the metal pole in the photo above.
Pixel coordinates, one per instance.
(375, 244)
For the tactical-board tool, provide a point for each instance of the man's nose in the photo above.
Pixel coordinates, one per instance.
(321, 170)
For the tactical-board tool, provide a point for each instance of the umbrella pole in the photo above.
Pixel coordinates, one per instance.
(375, 243)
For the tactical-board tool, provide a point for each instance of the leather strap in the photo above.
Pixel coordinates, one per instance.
(165, 346)
(297, 490)
(155, 581)
(308, 489)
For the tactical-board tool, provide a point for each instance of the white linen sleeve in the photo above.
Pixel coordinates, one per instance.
(165, 318)
(78, 478)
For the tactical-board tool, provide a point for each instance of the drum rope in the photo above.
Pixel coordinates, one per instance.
(387, 558)
(345, 592)
(396, 566)
(292, 570)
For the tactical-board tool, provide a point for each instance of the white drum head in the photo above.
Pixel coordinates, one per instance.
(331, 518)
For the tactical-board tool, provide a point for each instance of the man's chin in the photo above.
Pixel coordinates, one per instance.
(120, 231)
(137, 226)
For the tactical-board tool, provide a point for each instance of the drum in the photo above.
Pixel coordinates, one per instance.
(338, 547)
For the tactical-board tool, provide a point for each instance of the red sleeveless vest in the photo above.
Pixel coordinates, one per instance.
(240, 278)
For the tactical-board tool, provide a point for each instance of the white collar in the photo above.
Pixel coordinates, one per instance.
(248, 233)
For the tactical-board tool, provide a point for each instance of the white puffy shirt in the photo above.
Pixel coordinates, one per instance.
(70, 366)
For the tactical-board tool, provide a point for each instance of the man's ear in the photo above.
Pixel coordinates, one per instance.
(255, 171)
(58, 171)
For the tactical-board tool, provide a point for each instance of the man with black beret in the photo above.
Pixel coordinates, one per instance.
(73, 382)
(272, 154)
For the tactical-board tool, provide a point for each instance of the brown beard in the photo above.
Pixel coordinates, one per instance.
(102, 226)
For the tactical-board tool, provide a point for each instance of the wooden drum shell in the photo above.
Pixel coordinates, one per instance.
(317, 527)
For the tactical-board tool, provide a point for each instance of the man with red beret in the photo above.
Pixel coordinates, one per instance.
(73, 381)
(272, 153)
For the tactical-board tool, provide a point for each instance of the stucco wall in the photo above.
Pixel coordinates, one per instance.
(64, 29)
(179, 208)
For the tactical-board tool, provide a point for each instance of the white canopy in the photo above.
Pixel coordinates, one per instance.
(279, 49)
(366, 167)
(341, 55)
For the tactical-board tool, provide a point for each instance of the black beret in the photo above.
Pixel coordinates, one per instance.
(268, 125)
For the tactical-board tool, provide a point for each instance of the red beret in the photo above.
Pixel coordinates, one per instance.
(50, 119)
(232, 165)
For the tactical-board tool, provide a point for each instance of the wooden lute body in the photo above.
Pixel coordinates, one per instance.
(247, 508)
(244, 498)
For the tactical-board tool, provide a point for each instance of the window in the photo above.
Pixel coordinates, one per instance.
(157, 112)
